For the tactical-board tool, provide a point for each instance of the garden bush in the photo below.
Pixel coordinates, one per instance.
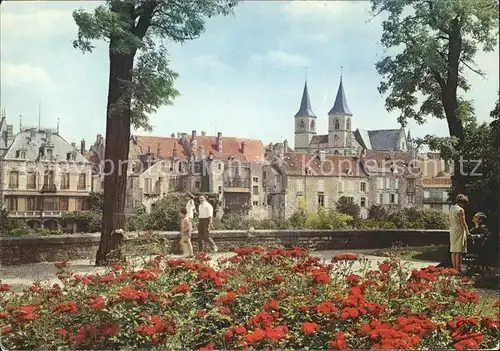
(273, 300)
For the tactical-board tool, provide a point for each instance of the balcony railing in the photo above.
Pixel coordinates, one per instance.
(435, 200)
(48, 188)
(30, 213)
(237, 183)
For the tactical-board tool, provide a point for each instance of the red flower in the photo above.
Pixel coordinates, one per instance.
(181, 289)
(60, 265)
(310, 328)
(7, 330)
(3, 315)
(228, 334)
(98, 303)
(62, 332)
(349, 312)
(345, 257)
(5, 287)
(242, 290)
(384, 267)
(202, 313)
(276, 333)
(255, 336)
(271, 304)
(226, 299)
(326, 307)
(66, 307)
(208, 347)
(353, 279)
(467, 344)
(240, 329)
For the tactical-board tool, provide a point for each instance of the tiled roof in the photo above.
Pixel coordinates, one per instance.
(305, 109)
(384, 139)
(231, 146)
(297, 163)
(340, 106)
(381, 162)
(319, 139)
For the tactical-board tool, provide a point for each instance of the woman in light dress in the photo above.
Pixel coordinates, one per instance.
(458, 231)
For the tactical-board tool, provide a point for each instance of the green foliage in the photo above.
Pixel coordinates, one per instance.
(327, 219)
(139, 27)
(165, 212)
(433, 42)
(347, 206)
(407, 218)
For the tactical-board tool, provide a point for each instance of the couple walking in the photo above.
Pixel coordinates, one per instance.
(205, 215)
(459, 231)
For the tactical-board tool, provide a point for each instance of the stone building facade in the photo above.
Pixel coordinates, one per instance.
(229, 166)
(43, 176)
(436, 180)
(292, 180)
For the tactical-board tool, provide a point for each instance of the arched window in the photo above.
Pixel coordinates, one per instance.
(301, 124)
(337, 124)
(348, 124)
(48, 178)
(313, 126)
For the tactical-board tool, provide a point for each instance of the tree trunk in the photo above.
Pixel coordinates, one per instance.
(116, 156)
(450, 104)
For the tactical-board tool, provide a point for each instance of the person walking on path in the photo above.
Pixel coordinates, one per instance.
(205, 215)
(190, 206)
(458, 231)
(186, 230)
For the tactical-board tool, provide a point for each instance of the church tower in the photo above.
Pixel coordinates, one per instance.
(339, 125)
(305, 123)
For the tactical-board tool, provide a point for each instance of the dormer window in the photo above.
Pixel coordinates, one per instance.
(49, 153)
(21, 154)
(70, 156)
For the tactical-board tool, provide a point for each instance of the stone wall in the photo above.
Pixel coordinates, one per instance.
(23, 250)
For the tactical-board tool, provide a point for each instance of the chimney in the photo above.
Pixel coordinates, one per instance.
(158, 150)
(203, 133)
(219, 141)
(73, 145)
(322, 155)
(10, 132)
(285, 145)
(82, 146)
(174, 152)
(149, 150)
(178, 135)
(201, 152)
(242, 147)
(172, 135)
(193, 134)
(98, 138)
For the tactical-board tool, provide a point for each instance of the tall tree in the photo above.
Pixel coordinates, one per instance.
(140, 80)
(431, 44)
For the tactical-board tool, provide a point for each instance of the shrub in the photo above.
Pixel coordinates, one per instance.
(274, 300)
(375, 224)
(327, 219)
(347, 206)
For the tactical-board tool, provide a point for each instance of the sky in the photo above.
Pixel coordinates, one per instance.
(243, 77)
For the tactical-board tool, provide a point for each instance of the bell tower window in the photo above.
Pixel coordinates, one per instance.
(337, 126)
(348, 124)
(313, 126)
(301, 125)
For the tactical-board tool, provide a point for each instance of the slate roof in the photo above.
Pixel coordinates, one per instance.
(231, 146)
(334, 165)
(340, 106)
(381, 162)
(32, 142)
(319, 139)
(305, 109)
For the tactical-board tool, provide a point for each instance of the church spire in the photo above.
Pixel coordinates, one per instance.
(305, 109)
(340, 107)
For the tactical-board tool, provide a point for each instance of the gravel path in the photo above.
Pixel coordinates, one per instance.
(24, 275)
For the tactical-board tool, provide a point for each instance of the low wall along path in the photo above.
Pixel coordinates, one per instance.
(25, 249)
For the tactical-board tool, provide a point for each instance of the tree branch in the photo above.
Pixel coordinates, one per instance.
(145, 11)
(477, 71)
(172, 35)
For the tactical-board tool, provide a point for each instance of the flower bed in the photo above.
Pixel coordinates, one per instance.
(278, 299)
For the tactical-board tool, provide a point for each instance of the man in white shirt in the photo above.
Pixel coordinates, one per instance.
(190, 206)
(205, 215)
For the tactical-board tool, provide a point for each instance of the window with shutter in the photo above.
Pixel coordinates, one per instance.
(396, 184)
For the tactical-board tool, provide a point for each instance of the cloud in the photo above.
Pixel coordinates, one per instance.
(24, 74)
(280, 59)
(211, 62)
(41, 23)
